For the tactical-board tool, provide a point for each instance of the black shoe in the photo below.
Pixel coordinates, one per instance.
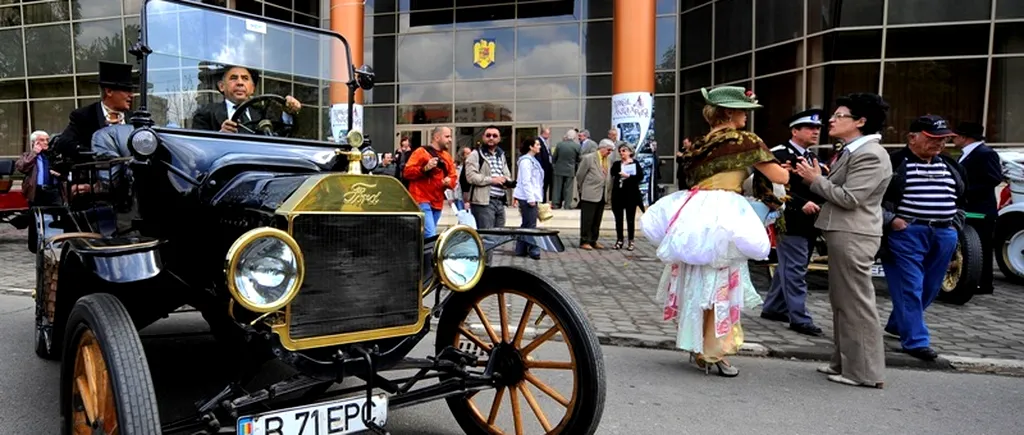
(775, 317)
(925, 353)
(892, 332)
(806, 329)
(535, 257)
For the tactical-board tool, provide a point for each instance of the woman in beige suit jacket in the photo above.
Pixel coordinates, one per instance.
(852, 223)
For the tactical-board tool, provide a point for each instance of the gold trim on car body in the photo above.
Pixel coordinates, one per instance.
(439, 246)
(231, 268)
(348, 194)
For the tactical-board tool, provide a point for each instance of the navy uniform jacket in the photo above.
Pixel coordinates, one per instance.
(797, 222)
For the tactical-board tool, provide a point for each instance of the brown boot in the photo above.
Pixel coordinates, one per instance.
(586, 247)
(598, 246)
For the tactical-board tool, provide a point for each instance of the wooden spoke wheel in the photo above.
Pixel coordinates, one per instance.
(964, 271)
(47, 332)
(537, 343)
(105, 382)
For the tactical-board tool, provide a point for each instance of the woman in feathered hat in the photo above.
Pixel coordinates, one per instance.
(707, 234)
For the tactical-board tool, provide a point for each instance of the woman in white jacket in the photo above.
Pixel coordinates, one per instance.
(529, 192)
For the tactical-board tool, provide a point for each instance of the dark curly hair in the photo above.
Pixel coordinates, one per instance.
(526, 144)
(871, 107)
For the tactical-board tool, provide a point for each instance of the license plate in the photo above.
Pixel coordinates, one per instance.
(338, 417)
(877, 271)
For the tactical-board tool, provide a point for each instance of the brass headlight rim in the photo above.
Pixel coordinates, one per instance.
(441, 244)
(234, 253)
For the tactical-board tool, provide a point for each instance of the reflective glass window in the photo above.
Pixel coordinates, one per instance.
(548, 88)
(132, 7)
(96, 41)
(422, 22)
(51, 115)
(471, 62)
(782, 95)
(493, 16)
(664, 128)
(491, 111)
(51, 87)
(934, 11)
(51, 53)
(666, 6)
(12, 54)
(953, 88)
(696, 36)
(779, 58)
(732, 69)
(10, 16)
(95, 8)
(691, 120)
(14, 130)
(426, 56)
(424, 113)
(379, 6)
(696, 78)
(732, 26)
(597, 41)
(548, 50)
(937, 41)
(665, 82)
(380, 24)
(1010, 9)
(597, 85)
(383, 56)
(484, 90)
(380, 94)
(1005, 103)
(665, 43)
(47, 12)
(1009, 38)
(425, 92)
(549, 11)
(825, 84)
(552, 110)
(779, 20)
(845, 45)
(597, 115)
(828, 14)
(598, 8)
(12, 89)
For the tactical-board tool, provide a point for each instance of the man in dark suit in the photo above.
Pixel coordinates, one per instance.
(981, 163)
(545, 159)
(237, 84)
(117, 87)
(787, 296)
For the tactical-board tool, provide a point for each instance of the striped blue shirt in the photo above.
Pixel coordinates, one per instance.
(929, 194)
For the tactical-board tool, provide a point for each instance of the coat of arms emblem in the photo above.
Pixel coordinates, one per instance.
(483, 53)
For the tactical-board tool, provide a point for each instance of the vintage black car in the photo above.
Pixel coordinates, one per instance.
(292, 254)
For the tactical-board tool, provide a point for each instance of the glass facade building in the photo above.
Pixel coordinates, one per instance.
(551, 62)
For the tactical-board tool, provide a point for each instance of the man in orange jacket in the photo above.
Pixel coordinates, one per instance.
(431, 171)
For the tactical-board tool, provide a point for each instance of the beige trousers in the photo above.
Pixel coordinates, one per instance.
(859, 353)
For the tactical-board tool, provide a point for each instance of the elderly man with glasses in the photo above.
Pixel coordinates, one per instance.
(922, 212)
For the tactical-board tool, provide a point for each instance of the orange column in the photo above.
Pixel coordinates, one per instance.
(633, 55)
(633, 46)
(346, 19)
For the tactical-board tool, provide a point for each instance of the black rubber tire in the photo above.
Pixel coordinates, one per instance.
(125, 359)
(590, 395)
(969, 246)
(1006, 227)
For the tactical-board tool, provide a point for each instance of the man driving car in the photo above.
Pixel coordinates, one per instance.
(237, 84)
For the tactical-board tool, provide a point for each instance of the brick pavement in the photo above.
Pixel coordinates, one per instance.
(617, 290)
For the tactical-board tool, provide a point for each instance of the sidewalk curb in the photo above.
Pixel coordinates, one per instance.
(13, 291)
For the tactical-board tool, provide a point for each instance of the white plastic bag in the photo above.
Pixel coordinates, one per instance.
(464, 216)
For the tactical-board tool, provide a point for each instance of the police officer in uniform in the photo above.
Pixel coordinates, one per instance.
(787, 296)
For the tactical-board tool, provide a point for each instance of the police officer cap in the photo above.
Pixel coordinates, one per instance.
(809, 117)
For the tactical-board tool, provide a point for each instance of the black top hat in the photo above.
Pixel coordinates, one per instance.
(972, 130)
(809, 117)
(116, 75)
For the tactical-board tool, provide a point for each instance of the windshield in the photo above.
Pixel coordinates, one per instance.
(205, 62)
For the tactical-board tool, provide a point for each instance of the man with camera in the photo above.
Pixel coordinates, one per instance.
(431, 172)
(486, 177)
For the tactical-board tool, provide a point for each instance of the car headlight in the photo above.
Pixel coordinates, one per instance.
(459, 258)
(143, 142)
(264, 269)
(370, 159)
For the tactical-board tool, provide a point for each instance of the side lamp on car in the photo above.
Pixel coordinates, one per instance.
(143, 142)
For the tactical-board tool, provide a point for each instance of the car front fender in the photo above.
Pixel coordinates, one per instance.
(118, 259)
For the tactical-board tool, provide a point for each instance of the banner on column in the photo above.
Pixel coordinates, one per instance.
(633, 117)
(339, 120)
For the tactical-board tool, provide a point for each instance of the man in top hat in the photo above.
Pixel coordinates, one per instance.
(921, 215)
(237, 84)
(787, 296)
(117, 87)
(981, 164)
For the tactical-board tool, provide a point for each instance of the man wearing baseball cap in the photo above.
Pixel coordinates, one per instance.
(787, 297)
(922, 212)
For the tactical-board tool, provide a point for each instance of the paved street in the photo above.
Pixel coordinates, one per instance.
(617, 290)
(649, 391)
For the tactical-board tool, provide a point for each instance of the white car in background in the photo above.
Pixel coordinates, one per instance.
(1009, 237)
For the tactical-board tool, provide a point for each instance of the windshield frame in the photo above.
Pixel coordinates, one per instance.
(142, 51)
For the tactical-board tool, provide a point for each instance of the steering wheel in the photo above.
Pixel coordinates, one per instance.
(269, 126)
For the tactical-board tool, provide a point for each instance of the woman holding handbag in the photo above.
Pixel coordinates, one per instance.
(529, 192)
(626, 176)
